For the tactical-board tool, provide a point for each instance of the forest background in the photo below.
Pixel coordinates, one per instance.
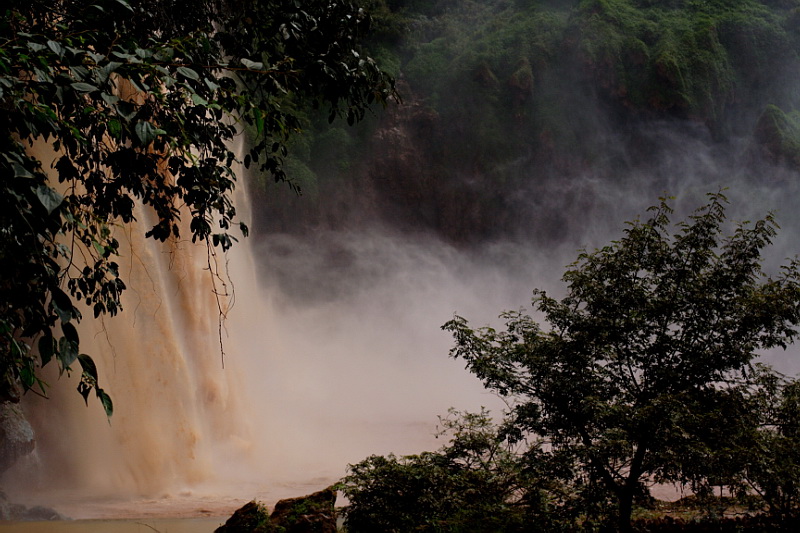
(509, 109)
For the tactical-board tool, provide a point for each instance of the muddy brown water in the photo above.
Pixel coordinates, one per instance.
(160, 525)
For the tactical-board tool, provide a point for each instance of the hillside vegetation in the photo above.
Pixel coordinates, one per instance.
(503, 100)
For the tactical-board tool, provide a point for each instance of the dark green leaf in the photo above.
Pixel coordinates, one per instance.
(145, 131)
(67, 353)
(110, 99)
(83, 87)
(87, 363)
(62, 304)
(49, 198)
(46, 348)
(126, 110)
(56, 47)
(20, 171)
(70, 332)
(27, 377)
(114, 128)
(126, 5)
(189, 73)
(105, 399)
(106, 70)
(259, 120)
(84, 388)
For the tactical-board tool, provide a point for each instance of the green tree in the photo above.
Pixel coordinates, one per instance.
(656, 330)
(140, 100)
(773, 461)
(471, 484)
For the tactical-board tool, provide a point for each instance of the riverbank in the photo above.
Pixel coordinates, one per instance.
(144, 525)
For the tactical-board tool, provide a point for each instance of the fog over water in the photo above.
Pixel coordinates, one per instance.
(333, 348)
(358, 312)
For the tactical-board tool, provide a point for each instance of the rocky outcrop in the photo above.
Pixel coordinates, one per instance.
(16, 435)
(17, 441)
(252, 517)
(314, 513)
(778, 135)
(18, 512)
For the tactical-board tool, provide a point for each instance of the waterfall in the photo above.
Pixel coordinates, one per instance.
(303, 390)
(332, 352)
(177, 410)
(160, 359)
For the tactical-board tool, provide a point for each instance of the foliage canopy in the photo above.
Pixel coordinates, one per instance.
(140, 101)
(647, 372)
(638, 376)
(521, 96)
(471, 484)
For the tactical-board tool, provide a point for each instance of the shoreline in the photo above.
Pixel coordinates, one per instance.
(103, 525)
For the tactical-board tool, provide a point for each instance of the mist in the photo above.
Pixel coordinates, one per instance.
(331, 347)
(364, 365)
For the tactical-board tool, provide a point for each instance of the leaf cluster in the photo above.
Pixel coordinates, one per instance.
(471, 484)
(646, 370)
(646, 373)
(140, 101)
(553, 89)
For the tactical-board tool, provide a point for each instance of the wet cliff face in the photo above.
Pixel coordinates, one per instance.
(16, 435)
(510, 110)
(416, 186)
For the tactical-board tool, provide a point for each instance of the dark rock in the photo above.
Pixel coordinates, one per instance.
(16, 435)
(37, 513)
(314, 513)
(253, 517)
(19, 513)
(778, 135)
(8, 510)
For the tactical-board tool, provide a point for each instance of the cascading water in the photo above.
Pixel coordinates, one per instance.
(161, 361)
(304, 389)
(338, 356)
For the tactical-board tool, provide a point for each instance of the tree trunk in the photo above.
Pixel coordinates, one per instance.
(625, 509)
(628, 489)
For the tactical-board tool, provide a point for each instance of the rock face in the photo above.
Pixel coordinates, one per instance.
(250, 518)
(314, 513)
(778, 135)
(16, 441)
(16, 435)
(20, 513)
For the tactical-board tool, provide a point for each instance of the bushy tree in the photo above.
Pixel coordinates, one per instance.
(657, 333)
(140, 100)
(471, 484)
(772, 462)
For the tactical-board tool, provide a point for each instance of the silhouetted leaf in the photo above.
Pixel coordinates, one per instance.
(252, 65)
(105, 399)
(84, 87)
(49, 198)
(189, 73)
(145, 131)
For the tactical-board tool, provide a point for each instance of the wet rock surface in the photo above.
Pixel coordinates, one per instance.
(20, 513)
(314, 513)
(16, 435)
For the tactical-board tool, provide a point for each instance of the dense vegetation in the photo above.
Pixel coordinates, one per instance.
(647, 373)
(139, 102)
(503, 99)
